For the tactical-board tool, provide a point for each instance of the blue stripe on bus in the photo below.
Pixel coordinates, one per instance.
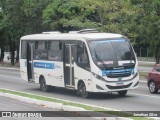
(121, 71)
(104, 41)
(44, 65)
(118, 40)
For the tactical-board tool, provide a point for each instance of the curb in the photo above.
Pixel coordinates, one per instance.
(68, 108)
(59, 106)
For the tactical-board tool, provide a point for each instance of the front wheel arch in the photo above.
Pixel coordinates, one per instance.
(81, 89)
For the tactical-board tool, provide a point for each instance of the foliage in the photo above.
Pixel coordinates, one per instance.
(137, 19)
(148, 29)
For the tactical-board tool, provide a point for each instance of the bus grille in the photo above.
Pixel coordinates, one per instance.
(119, 73)
(119, 87)
(116, 75)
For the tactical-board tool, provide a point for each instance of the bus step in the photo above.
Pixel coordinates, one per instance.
(70, 87)
(31, 81)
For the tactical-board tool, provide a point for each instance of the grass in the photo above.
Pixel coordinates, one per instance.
(143, 75)
(81, 105)
(146, 64)
(3, 64)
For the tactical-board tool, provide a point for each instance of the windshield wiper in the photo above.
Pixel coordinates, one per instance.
(131, 64)
(99, 59)
(128, 64)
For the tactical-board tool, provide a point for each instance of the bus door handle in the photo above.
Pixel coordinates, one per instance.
(69, 65)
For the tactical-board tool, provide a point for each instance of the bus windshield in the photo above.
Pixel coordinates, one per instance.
(108, 53)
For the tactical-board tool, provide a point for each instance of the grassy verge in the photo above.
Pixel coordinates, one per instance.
(143, 75)
(87, 107)
(146, 64)
(3, 64)
(37, 97)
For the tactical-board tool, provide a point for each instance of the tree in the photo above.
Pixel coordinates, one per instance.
(65, 16)
(137, 19)
(3, 33)
(148, 24)
(109, 16)
(22, 17)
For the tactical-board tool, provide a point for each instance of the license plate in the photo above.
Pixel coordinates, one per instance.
(119, 83)
(120, 79)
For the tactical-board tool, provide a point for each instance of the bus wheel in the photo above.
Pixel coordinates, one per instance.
(122, 93)
(43, 85)
(82, 90)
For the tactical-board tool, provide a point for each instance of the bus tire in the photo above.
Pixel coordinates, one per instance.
(82, 90)
(43, 86)
(122, 93)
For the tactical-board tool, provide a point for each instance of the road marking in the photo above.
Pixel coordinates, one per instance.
(145, 95)
(10, 77)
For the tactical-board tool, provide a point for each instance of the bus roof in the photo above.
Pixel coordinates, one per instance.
(69, 36)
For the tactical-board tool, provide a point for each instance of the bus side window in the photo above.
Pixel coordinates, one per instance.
(23, 50)
(40, 51)
(82, 56)
(54, 51)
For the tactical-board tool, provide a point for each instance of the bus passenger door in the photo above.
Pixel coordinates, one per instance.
(30, 62)
(69, 65)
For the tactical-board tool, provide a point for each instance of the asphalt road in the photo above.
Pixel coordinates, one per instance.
(139, 99)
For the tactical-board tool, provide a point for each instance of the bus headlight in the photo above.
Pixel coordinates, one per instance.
(134, 71)
(98, 77)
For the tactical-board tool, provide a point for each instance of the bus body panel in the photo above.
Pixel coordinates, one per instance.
(51, 70)
(93, 77)
(23, 69)
(104, 84)
(85, 76)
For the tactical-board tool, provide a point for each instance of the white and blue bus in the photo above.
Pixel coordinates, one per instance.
(86, 61)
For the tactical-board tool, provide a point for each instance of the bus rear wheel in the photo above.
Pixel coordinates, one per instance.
(43, 85)
(122, 93)
(82, 90)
